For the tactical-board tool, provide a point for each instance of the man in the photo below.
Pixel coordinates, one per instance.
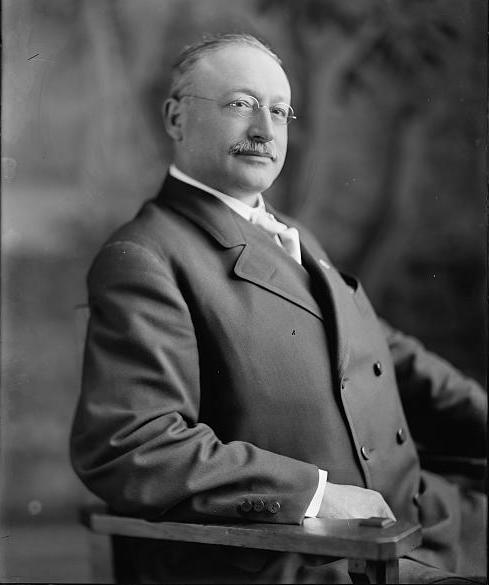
(232, 373)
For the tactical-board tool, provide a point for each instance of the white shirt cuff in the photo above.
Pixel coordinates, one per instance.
(313, 508)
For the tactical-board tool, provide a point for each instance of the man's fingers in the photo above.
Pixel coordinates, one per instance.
(346, 501)
(384, 509)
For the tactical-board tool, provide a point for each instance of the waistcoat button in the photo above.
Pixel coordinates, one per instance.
(377, 369)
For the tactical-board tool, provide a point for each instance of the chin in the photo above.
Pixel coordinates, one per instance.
(254, 184)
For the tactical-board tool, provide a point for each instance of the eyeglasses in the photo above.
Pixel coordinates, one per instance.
(248, 106)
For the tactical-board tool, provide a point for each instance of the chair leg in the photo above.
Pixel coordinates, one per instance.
(362, 571)
(122, 565)
(100, 554)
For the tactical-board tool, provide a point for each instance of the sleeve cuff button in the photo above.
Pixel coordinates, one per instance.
(245, 506)
(273, 507)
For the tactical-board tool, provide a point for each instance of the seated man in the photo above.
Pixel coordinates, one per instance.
(231, 372)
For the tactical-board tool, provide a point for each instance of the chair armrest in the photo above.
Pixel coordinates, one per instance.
(335, 538)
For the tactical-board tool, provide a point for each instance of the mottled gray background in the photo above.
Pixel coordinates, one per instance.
(386, 165)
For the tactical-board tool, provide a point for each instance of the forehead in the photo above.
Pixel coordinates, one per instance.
(237, 67)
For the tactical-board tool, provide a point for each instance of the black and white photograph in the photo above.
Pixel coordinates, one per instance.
(244, 291)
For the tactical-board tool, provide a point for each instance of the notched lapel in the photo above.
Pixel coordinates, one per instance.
(261, 264)
(261, 261)
(203, 209)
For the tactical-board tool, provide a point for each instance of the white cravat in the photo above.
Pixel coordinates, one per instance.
(287, 237)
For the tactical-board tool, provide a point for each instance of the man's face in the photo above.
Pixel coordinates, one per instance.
(214, 144)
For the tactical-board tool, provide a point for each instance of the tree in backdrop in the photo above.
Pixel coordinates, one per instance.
(397, 48)
(406, 81)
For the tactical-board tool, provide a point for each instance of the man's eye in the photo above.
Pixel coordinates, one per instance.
(241, 105)
(280, 111)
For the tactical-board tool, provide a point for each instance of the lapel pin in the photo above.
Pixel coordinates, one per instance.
(324, 264)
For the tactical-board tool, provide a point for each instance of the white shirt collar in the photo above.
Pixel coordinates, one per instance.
(236, 205)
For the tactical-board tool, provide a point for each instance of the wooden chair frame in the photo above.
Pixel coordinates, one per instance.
(373, 551)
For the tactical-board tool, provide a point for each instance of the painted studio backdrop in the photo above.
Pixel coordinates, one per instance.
(385, 165)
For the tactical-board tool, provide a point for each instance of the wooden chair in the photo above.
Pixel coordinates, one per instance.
(372, 546)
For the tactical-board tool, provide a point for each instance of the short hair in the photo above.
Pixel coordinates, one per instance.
(209, 43)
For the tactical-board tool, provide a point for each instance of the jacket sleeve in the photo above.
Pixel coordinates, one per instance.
(136, 440)
(446, 411)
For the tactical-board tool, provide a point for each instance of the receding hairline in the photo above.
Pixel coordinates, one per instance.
(207, 45)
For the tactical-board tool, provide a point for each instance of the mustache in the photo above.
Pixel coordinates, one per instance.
(253, 147)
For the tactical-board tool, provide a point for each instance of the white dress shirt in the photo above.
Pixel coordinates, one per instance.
(246, 212)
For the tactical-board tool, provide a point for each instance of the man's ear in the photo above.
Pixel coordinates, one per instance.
(172, 118)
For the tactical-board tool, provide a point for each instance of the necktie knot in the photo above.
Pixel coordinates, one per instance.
(287, 238)
(266, 221)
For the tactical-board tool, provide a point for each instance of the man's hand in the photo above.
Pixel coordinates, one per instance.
(349, 501)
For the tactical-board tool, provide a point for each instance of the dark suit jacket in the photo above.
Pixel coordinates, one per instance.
(219, 372)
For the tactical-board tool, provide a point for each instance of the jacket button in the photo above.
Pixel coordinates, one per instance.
(364, 452)
(401, 436)
(416, 499)
(273, 507)
(258, 506)
(245, 506)
(377, 369)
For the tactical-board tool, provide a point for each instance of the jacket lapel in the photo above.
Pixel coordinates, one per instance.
(265, 264)
(202, 209)
(260, 261)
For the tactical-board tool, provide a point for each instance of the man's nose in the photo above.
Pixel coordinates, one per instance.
(262, 127)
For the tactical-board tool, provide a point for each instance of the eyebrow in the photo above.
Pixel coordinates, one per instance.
(252, 92)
